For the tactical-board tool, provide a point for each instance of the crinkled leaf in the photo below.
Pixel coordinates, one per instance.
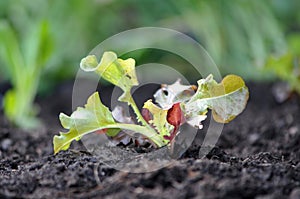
(116, 71)
(159, 120)
(94, 116)
(226, 99)
(171, 94)
(119, 72)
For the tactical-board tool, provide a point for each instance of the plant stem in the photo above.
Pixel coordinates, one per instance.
(137, 112)
(148, 132)
(145, 131)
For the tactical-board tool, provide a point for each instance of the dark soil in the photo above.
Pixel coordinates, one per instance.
(257, 156)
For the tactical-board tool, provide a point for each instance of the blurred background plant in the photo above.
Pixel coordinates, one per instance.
(24, 61)
(248, 38)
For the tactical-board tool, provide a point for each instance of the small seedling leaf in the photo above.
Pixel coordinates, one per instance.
(226, 99)
(94, 116)
(116, 71)
(159, 120)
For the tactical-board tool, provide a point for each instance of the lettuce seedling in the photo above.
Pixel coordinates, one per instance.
(24, 62)
(286, 68)
(157, 123)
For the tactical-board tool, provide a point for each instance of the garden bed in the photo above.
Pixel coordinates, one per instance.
(257, 156)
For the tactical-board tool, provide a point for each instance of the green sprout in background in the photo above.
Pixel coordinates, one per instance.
(229, 31)
(24, 60)
(287, 69)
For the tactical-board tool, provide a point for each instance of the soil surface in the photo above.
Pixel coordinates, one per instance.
(257, 156)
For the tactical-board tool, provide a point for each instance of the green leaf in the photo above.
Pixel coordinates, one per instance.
(38, 46)
(226, 99)
(294, 43)
(116, 71)
(93, 117)
(282, 66)
(10, 52)
(159, 120)
(287, 68)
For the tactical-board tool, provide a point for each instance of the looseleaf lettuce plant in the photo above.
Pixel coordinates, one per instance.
(158, 123)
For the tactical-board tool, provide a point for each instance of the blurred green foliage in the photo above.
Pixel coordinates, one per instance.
(24, 60)
(286, 68)
(240, 35)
